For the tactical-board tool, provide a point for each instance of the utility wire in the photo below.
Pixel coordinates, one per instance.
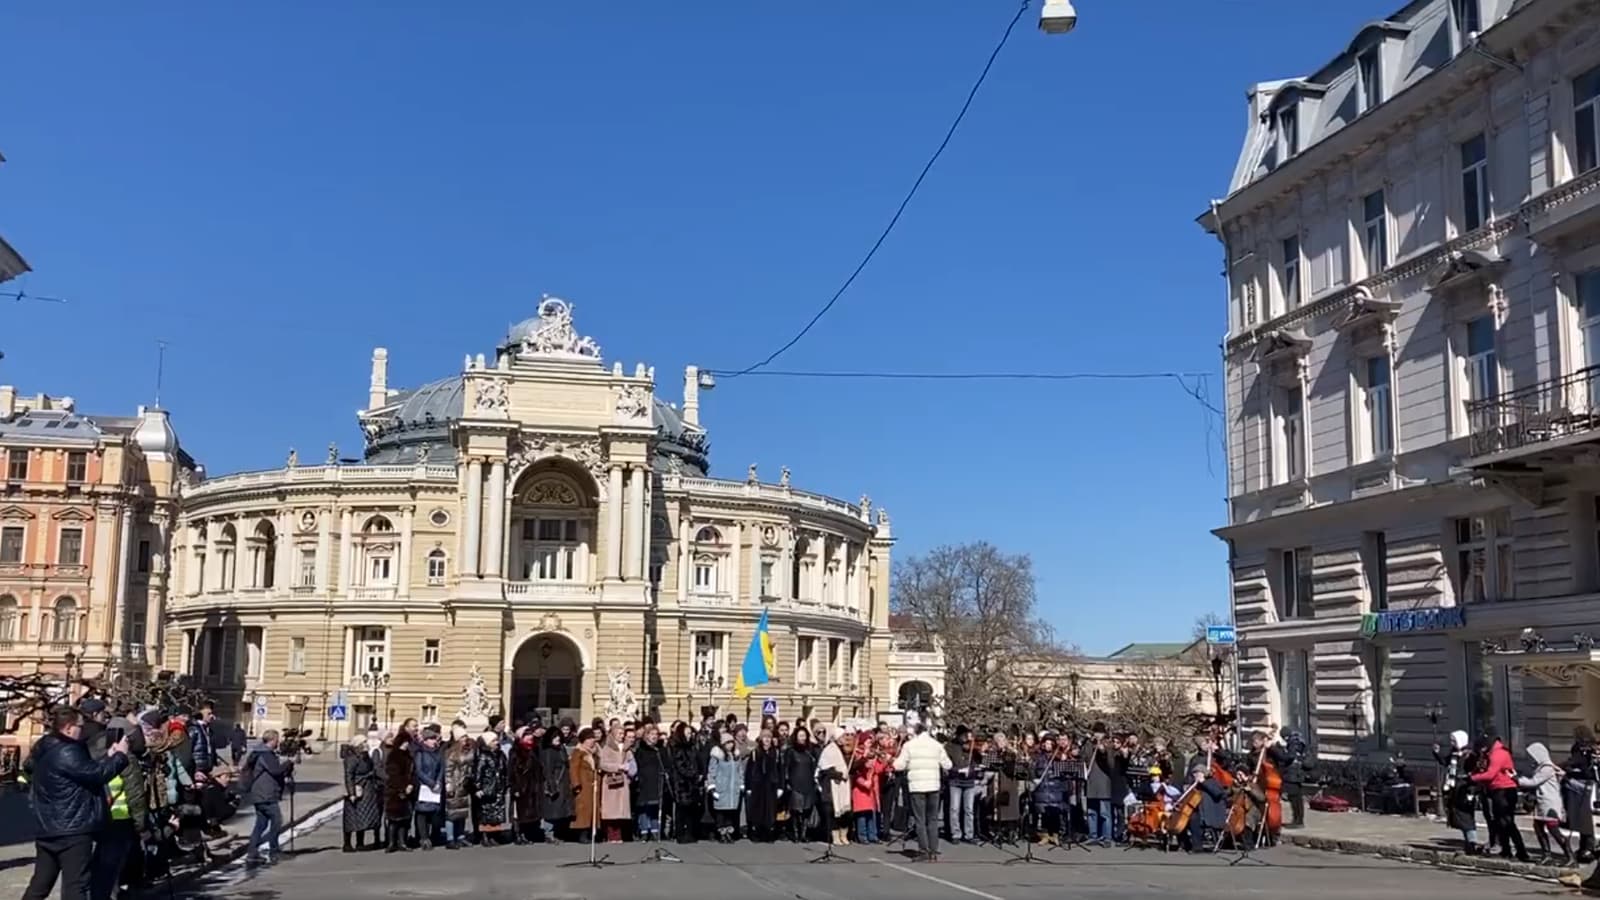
(1194, 384)
(20, 296)
(873, 251)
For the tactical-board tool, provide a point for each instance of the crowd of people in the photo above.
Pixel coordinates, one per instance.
(1481, 776)
(119, 795)
(421, 787)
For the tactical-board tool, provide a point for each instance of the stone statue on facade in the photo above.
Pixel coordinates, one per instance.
(622, 704)
(333, 454)
(751, 477)
(422, 454)
(783, 476)
(475, 708)
(555, 335)
(866, 508)
(294, 458)
(883, 517)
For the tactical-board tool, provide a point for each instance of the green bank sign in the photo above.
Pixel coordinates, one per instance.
(1413, 620)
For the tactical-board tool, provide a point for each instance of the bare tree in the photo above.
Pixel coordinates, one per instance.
(977, 605)
(1201, 623)
(1155, 702)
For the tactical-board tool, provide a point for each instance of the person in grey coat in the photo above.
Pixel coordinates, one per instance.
(725, 783)
(1548, 809)
(265, 775)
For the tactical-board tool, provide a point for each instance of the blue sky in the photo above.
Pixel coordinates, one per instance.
(279, 188)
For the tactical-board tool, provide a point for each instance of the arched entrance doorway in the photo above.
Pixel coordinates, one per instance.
(916, 695)
(547, 678)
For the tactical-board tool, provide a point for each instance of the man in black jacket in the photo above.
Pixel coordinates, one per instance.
(68, 790)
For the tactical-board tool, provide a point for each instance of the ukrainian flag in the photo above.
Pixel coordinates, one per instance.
(759, 661)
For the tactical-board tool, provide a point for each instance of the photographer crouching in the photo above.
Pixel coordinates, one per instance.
(263, 780)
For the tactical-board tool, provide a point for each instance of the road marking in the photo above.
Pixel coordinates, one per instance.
(937, 880)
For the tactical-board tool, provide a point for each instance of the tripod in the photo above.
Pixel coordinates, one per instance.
(828, 856)
(594, 826)
(1027, 837)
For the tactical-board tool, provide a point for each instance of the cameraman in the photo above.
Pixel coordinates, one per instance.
(263, 780)
(1290, 759)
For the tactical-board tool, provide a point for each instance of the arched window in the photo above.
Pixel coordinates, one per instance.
(436, 567)
(378, 548)
(10, 616)
(710, 555)
(66, 620)
(263, 555)
(226, 549)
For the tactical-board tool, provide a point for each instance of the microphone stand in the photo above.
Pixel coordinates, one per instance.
(594, 827)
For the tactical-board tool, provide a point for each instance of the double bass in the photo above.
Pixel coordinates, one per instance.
(1272, 790)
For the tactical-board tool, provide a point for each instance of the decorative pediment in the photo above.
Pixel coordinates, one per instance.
(1366, 310)
(1464, 268)
(72, 514)
(15, 513)
(1283, 345)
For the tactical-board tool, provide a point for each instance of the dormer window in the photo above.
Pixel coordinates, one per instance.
(1288, 133)
(1369, 79)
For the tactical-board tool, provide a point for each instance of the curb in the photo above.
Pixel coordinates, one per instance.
(1448, 859)
(234, 858)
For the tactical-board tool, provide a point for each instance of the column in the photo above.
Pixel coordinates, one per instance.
(756, 556)
(469, 548)
(736, 537)
(645, 537)
(614, 504)
(346, 549)
(403, 577)
(213, 558)
(284, 570)
(495, 539)
(684, 537)
(120, 604)
(632, 536)
(324, 549)
(786, 566)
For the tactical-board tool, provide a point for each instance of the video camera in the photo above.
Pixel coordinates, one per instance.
(293, 742)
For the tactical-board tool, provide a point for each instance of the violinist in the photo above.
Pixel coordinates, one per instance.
(1099, 761)
(1004, 789)
(966, 785)
(1052, 781)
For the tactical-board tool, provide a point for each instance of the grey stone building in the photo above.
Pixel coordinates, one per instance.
(1412, 244)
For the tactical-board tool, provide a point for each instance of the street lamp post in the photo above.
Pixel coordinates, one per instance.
(1435, 711)
(1073, 678)
(708, 683)
(376, 681)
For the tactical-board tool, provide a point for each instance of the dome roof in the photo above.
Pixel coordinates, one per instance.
(422, 418)
(155, 436)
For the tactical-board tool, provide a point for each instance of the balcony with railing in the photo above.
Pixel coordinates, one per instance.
(549, 591)
(1540, 418)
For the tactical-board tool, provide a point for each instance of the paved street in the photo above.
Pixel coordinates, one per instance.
(744, 871)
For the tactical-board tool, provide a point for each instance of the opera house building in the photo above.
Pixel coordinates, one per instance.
(539, 520)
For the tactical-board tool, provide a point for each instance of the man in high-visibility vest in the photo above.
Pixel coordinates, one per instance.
(129, 808)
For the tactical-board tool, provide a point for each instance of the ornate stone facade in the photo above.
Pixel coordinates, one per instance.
(88, 507)
(546, 519)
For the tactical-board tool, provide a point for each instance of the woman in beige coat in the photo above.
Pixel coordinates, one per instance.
(616, 779)
(833, 779)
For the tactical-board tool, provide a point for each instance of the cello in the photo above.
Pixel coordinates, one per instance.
(1272, 790)
(1187, 806)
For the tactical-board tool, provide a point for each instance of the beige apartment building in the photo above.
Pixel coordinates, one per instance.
(87, 509)
(540, 521)
(1412, 239)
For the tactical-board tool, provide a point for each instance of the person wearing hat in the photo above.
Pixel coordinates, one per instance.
(95, 718)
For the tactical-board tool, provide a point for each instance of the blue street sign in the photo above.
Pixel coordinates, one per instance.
(261, 707)
(337, 713)
(1222, 635)
(769, 707)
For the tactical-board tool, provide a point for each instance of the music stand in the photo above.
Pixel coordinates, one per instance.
(594, 830)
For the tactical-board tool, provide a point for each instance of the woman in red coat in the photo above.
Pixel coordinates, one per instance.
(1499, 777)
(866, 775)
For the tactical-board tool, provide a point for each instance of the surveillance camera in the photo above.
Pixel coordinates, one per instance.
(1057, 17)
